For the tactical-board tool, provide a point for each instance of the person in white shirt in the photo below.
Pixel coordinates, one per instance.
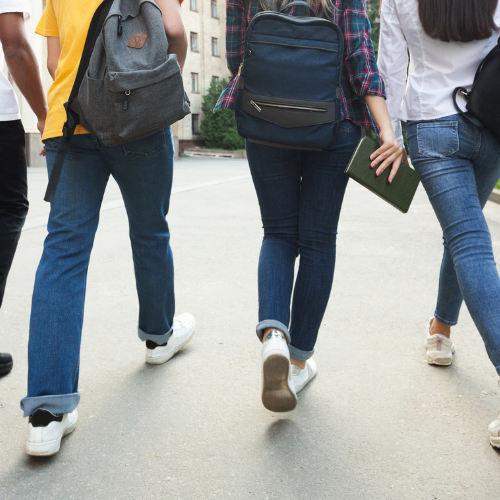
(460, 165)
(23, 68)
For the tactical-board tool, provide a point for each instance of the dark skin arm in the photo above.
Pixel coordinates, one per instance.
(22, 64)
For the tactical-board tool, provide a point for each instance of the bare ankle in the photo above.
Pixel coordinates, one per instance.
(438, 328)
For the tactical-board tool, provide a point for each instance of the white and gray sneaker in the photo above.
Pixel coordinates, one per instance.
(183, 331)
(278, 392)
(494, 430)
(46, 431)
(439, 348)
(302, 377)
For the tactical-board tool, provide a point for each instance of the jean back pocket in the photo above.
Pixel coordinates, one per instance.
(438, 139)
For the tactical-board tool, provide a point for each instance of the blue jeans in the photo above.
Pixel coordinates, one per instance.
(143, 170)
(300, 196)
(460, 167)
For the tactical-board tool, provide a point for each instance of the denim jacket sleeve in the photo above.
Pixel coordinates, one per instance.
(360, 63)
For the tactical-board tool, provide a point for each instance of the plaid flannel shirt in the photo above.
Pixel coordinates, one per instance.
(360, 76)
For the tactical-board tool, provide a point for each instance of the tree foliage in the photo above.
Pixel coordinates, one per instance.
(372, 10)
(219, 128)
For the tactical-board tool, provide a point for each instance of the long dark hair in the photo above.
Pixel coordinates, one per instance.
(458, 20)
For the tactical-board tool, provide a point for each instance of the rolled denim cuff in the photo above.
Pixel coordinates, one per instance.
(57, 404)
(272, 323)
(298, 354)
(159, 339)
(444, 321)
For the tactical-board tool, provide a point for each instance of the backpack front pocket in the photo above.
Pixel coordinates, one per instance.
(289, 113)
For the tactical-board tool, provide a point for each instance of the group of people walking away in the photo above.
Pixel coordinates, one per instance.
(300, 190)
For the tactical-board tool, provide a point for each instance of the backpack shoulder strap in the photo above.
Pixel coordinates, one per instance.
(72, 118)
(465, 116)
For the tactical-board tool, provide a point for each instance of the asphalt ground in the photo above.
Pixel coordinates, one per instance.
(376, 423)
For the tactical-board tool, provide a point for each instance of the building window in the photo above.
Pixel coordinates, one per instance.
(213, 8)
(194, 82)
(215, 47)
(216, 78)
(193, 5)
(194, 42)
(196, 124)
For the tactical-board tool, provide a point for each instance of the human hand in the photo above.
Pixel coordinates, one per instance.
(389, 152)
(41, 125)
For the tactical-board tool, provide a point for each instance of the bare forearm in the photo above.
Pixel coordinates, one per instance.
(378, 109)
(23, 67)
(179, 46)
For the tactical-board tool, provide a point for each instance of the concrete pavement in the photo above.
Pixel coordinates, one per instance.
(377, 422)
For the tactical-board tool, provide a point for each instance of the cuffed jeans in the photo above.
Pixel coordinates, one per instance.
(13, 194)
(300, 196)
(460, 166)
(143, 170)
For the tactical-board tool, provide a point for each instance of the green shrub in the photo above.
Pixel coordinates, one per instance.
(219, 128)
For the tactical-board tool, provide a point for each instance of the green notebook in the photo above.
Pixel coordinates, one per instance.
(404, 186)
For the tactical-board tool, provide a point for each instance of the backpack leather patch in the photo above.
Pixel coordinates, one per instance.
(137, 40)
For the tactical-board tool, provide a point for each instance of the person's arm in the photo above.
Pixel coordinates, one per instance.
(362, 73)
(393, 63)
(53, 54)
(390, 152)
(174, 27)
(22, 63)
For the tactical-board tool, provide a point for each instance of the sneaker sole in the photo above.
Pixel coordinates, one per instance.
(6, 368)
(438, 361)
(51, 448)
(495, 442)
(160, 360)
(277, 395)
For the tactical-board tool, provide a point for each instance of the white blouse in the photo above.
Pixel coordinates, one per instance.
(424, 90)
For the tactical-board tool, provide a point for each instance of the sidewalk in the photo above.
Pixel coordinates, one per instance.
(377, 422)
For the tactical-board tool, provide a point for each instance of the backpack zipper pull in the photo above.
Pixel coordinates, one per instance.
(125, 104)
(254, 104)
(120, 26)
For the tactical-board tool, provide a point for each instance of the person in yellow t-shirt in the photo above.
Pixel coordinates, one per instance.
(143, 169)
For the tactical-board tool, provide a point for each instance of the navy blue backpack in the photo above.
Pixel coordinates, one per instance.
(289, 86)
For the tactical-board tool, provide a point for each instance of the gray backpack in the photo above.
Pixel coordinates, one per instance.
(127, 86)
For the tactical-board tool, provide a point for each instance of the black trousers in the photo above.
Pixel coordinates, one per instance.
(13, 194)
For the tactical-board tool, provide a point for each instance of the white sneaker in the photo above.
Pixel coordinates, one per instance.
(278, 392)
(439, 348)
(44, 441)
(302, 377)
(494, 429)
(183, 332)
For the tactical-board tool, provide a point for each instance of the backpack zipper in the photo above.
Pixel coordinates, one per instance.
(295, 46)
(257, 104)
(125, 104)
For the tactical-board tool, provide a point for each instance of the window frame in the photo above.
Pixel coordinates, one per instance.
(216, 40)
(193, 36)
(195, 118)
(195, 78)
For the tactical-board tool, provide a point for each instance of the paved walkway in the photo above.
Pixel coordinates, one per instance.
(377, 423)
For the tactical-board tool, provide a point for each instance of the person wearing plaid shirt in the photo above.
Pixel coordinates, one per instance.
(300, 194)
(361, 76)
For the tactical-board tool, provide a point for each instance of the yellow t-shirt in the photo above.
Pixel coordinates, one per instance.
(69, 21)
